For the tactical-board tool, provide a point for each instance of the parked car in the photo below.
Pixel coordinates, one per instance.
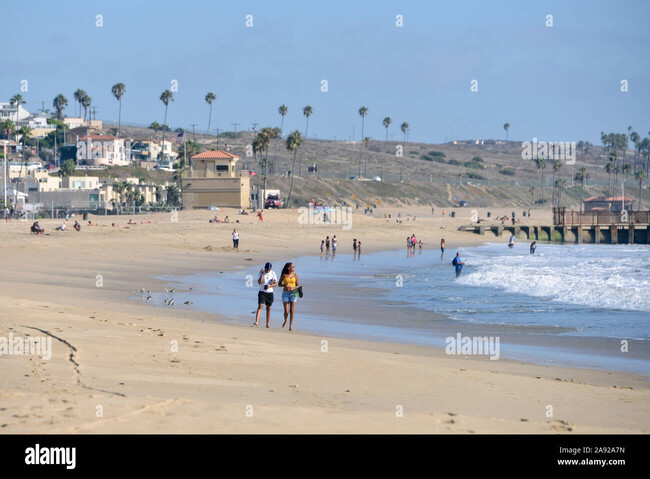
(273, 201)
(377, 178)
(463, 204)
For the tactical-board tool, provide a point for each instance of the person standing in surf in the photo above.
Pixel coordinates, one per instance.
(442, 248)
(267, 280)
(533, 247)
(290, 285)
(511, 242)
(458, 264)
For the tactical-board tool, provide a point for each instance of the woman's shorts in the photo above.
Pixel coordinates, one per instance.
(288, 297)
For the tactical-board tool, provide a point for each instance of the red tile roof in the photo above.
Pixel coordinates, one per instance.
(215, 155)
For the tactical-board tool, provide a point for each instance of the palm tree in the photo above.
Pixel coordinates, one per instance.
(118, 92)
(387, 121)
(557, 164)
(209, 98)
(506, 127)
(78, 95)
(165, 97)
(155, 126)
(581, 176)
(282, 110)
(404, 127)
(541, 165)
(17, 101)
(363, 111)
(24, 132)
(8, 127)
(59, 103)
(307, 111)
(639, 175)
(86, 101)
(294, 141)
(560, 185)
(609, 168)
(366, 142)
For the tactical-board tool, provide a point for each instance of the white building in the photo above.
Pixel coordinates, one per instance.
(12, 112)
(98, 150)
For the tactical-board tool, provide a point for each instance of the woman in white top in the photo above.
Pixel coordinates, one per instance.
(235, 240)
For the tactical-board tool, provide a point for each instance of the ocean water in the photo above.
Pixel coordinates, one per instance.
(566, 304)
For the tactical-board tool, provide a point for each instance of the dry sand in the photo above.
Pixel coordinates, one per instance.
(113, 369)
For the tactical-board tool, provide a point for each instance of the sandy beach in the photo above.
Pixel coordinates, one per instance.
(123, 366)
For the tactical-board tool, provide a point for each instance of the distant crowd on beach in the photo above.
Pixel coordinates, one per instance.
(328, 245)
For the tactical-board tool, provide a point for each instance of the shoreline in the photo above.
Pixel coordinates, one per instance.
(124, 361)
(533, 344)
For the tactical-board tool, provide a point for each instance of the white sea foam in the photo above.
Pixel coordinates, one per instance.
(598, 276)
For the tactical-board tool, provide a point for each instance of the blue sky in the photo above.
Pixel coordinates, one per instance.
(559, 83)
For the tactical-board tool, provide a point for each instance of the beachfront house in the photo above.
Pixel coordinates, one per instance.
(214, 181)
(15, 113)
(99, 150)
(608, 203)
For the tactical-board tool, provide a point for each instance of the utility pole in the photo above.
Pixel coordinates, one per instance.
(255, 126)
(193, 135)
(235, 125)
(217, 138)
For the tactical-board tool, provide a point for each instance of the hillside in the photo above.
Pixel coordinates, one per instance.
(425, 174)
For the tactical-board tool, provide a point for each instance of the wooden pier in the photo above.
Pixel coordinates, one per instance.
(598, 227)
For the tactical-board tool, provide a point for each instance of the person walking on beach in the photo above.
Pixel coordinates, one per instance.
(267, 280)
(260, 218)
(6, 214)
(327, 245)
(235, 240)
(420, 245)
(442, 248)
(458, 264)
(322, 246)
(290, 285)
(533, 247)
(359, 249)
(354, 247)
(335, 244)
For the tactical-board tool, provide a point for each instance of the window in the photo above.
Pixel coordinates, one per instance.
(222, 167)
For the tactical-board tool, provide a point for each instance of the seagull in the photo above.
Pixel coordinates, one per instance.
(188, 302)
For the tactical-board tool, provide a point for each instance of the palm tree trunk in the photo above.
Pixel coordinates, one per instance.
(162, 147)
(210, 118)
(119, 120)
(292, 175)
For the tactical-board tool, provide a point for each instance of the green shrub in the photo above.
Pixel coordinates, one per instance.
(478, 159)
(507, 171)
(474, 165)
(437, 154)
(454, 162)
(474, 176)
